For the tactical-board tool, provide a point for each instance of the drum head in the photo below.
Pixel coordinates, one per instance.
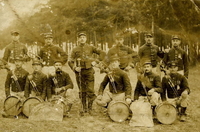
(31, 101)
(12, 105)
(118, 111)
(166, 113)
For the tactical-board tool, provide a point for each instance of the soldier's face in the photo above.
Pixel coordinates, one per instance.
(82, 39)
(149, 39)
(58, 66)
(176, 42)
(173, 69)
(119, 41)
(18, 63)
(15, 37)
(37, 67)
(113, 65)
(48, 41)
(147, 68)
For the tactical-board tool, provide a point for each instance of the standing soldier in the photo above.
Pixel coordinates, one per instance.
(175, 89)
(61, 84)
(15, 49)
(36, 82)
(49, 53)
(179, 55)
(119, 85)
(126, 54)
(150, 51)
(148, 85)
(82, 64)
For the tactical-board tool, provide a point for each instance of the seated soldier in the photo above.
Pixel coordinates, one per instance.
(36, 82)
(148, 84)
(61, 84)
(175, 89)
(119, 85)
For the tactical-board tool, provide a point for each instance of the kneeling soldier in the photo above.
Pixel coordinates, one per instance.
(176, 87)
(148, 85)
(119, 85)
(61, 84)
(36, 82)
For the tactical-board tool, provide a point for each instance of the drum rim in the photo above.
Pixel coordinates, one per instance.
(114, 102)
(17, 97)
(30, 98)
(158, 106)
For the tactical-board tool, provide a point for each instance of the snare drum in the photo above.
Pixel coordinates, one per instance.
(28, 102)
(118, 111)
(166, 113)
(12, 105)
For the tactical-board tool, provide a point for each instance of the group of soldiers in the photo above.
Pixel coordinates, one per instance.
(48, 79)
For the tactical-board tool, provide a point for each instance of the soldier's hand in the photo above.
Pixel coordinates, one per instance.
(58, 90)
(151, 91)
(77, 69)
(128, 101)
(93, 63)
(184, 94)
(99, 97)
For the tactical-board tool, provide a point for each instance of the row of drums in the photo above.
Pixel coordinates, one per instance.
(119, 111)
(13, 105)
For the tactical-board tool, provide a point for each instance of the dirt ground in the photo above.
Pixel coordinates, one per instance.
(100, 122)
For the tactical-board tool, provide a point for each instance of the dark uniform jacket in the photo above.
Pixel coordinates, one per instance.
(50, 53)
(126, 54)
(62, 80)
(40, 80)
(121, 82)
(149, 52)
(21, 75)
(180, 84)
(13, 50)
(85, 52)
(148, 81)
(180, 56)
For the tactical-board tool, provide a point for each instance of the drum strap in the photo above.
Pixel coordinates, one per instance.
(33, 84)
(14, 77)
(172, 86)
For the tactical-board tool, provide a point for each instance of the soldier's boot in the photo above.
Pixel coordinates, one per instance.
(67, 113)
(83, 101)
(183, 114)
(91, 99)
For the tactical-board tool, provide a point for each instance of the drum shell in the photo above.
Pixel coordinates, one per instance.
(29, 103)
(166, 113)
(118, 111)
(12, 105)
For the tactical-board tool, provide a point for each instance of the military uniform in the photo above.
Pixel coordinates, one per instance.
(126, 54)
(180, 56)
(145, 83)
(36, 85)
(86, 76)
(121, 91)
(16, 85)
(149, 52)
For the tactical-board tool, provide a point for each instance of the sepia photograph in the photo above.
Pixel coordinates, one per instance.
(99, 65)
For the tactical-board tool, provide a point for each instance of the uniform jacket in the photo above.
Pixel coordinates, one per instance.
(148, 81)
(149, 52)
(51, 53)
(180, 56)
(63, 80)
(85, 52)
(21, 75)
(180, 83)
(40, 80)
(13, 50)
(121, 82)
(126, 54)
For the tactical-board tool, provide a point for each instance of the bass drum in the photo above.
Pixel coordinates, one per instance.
(118, 111)
(12, 105)
(166, 113)
(31, 101)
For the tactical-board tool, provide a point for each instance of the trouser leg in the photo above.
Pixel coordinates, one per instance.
(82, 96)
